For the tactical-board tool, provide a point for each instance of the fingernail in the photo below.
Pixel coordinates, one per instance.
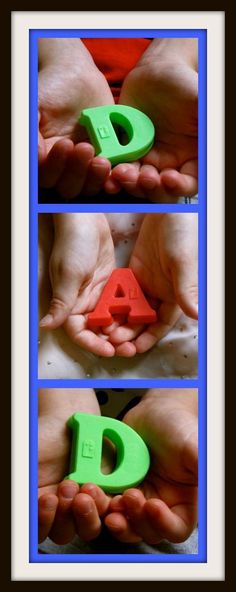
(100, 162)
(124, 169)
(86, 507)
(46, 320)
(92, 491)
(68, 491)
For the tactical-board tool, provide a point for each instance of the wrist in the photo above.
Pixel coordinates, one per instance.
(59, 52)
(65, 224)
(69, 226)
(172, 51)
(62, 403)
(188, 398)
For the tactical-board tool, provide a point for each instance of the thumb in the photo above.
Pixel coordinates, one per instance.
(64, 293)
(185, 282)
(190, 455)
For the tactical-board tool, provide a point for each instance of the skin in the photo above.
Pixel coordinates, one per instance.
(164, 506)
(78, 275)
(64, 508)
(164, 261)
(164, 85)
(68, 82)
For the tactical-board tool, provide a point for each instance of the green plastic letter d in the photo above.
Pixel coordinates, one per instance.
(138, 127)
(132, 454)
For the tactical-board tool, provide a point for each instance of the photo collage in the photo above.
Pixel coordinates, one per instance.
(119, 231)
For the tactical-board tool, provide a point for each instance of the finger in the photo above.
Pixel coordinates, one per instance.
(99, 170)
(190, 456)
(127, 176)
(183, 182)
(149, 178)
(47, 507)
(88, 524)
(54, 165)
(63, 529)
(133, 499)
(120, 528)
(126, 171)
(134, 503)
(119, 320)
(75, 327)
(73, 177)
(150, 186)
(111, 185)
(174, 524)
(125, 333)
(110, 328)
(47, 489)
(98, 495)
(116, 504)
(126, 350)
(42, 152)
(65, 288)
(168, 315)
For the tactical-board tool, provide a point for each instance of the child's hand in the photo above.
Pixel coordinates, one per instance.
(164, 506)
(164, 262)
(68, 82)
(64, 508)
(81, 263)
(164, 85)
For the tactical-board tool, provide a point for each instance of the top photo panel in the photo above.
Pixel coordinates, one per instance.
(117, 120)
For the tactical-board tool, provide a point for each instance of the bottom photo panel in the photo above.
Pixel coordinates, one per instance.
(118, 471)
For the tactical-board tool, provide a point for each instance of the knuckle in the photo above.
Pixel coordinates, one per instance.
(62, 269)
(58, 304)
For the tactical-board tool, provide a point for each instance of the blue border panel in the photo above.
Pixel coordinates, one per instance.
(91, 33)
(122, 208)
(123, 383)
(33, 266)
(199, 383)
(202, 259)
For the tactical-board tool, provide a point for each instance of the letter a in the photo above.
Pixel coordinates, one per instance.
(133, 458)
(122, 294)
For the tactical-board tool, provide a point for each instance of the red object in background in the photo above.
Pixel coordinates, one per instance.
(122, 295)
(116, 57)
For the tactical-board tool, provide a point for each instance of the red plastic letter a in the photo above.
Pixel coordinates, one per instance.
(122, 294)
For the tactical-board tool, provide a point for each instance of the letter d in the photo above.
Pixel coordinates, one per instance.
(138, 127)
(132, 454)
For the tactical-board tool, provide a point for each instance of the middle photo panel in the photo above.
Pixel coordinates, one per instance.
(118, 295)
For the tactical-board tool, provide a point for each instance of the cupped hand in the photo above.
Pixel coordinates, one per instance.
(164, 506)
(69, 82)
(164, 261)
(167, 91)
(64, 508)
(81, 263)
